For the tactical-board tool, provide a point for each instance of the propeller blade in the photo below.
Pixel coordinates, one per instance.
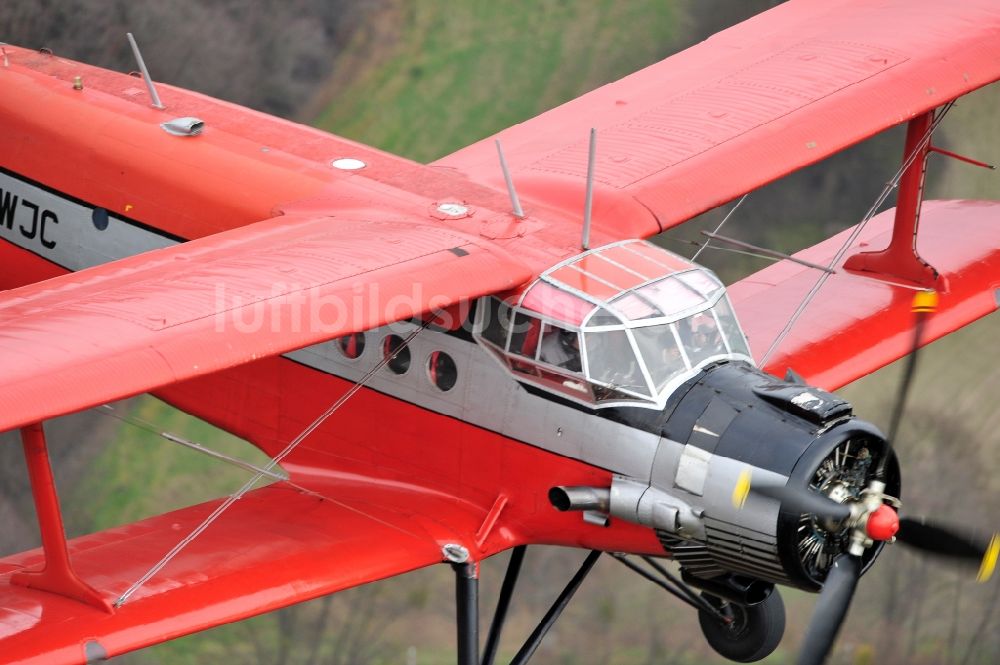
(801, 500)
(918, 532)
(838, 590)
(924, 302)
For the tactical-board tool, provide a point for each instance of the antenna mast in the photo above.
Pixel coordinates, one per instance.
(590, 190)
(514, 201)
(145, 72)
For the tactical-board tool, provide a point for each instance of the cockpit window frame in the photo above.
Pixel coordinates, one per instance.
(653, 398)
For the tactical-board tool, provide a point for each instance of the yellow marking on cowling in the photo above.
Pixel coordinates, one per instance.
(742, 489)
(989, 559)
(128, 206)
(925, 301)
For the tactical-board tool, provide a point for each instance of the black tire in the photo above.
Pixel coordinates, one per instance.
(755, 631)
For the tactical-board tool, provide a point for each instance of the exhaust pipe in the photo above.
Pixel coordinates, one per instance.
(581, 498)
(734, 588)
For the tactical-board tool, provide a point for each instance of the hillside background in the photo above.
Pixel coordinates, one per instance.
(422, 79)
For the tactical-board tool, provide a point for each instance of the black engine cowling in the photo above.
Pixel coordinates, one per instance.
(730, 419)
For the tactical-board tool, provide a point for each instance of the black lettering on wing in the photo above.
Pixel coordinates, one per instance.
(47, 217)
(30, 235)
(8, 204)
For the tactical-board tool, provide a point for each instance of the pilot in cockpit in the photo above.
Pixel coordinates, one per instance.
(561, 348)
(705, 340)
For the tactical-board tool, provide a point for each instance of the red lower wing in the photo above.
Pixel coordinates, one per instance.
(855, 325)
(274, 547)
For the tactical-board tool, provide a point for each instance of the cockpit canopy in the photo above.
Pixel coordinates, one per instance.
(622, 324)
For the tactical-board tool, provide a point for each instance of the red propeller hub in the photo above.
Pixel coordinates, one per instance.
(883, 523)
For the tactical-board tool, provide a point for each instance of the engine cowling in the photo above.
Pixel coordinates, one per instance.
(733, 422)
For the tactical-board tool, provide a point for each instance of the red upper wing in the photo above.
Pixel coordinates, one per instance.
(152, 320)
(780, 91)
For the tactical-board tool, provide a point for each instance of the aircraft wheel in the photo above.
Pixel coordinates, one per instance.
(753, 633)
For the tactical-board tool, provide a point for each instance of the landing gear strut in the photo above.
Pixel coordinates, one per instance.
(741, 632)
(749, 633)
(467, 610)
(745, 626)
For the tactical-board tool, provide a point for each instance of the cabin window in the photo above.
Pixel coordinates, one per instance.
(495, 322)
(731, 328)
(99, 216)
(399, 354)
(701, 336)
(442, 371)
(560, 347)
(524, 335)
(659, 346)
(352, 346)
(611, 360)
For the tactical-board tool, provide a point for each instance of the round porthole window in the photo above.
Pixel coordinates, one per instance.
(99, 216)
(442, 371)
(352, 346)
(401, 360)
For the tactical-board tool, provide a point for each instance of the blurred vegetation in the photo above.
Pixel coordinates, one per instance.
(268, 55)
(422, 79)
(459, 71)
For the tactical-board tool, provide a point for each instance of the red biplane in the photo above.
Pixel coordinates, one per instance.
(515, 370)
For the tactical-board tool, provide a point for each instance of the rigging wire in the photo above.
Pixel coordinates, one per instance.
(719, 227)
(248, 485)
(135, 421)
(773, 259)
(279, 476)
(762, 253)
(886, 191)
(765, 252)
(721, 248)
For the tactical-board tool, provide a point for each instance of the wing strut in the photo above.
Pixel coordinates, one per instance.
(56, 575)
(900, 260)
(467, 611)
(915, 151)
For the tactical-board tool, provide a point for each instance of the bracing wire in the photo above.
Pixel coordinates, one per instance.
(248, 485)
(147, 426)
(886, 191)
(719, 227)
